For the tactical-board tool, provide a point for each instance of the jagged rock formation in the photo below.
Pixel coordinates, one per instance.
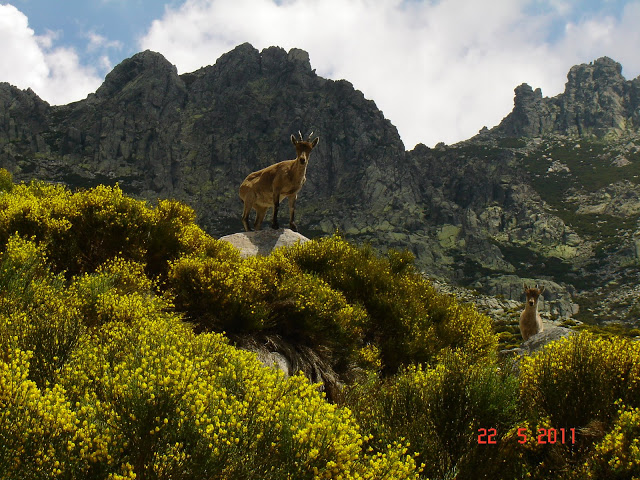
(526, 199)
(597, 100)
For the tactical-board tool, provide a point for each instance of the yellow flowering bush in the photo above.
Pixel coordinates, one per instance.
(407, 319)
(36, 210)
(617, 455)
(219, 294)
(439, 411)
(82, 230)
(37, 313)
(172, 404)
(331, 295)
(173, 233)
(41, 437)
(271, 295)
(576, 385)
(579, 379)
(118, 290)
(342, 297)
(98, 379)
(102, 377)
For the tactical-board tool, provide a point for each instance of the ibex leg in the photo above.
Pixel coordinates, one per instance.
(245, 216)
(260, 213)
(276, 204)
(292, 212)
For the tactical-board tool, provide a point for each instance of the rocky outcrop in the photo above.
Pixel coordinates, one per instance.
(275, 352)
(597, 100)
(531, 115)
(557, 300)
(24, 119)
(620, 199)
(538, 341)
(263, 242)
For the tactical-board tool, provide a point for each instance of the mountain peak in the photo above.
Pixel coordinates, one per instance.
(147, 64)
(597, 100)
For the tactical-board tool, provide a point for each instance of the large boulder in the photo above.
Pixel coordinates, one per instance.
(535, 343)
(263, 242)
(540, 340)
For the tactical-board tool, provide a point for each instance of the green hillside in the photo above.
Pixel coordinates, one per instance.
(118, 321)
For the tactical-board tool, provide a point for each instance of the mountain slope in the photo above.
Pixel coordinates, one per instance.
(520, 201)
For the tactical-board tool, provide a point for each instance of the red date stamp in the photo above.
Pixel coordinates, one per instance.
(488, 436)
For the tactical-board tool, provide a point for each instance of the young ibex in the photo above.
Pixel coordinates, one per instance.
(530, 321)
(268, 187)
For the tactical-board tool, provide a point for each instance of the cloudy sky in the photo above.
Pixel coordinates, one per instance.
(440, 70)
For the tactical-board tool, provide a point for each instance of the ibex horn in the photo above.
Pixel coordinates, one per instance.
(301, 139)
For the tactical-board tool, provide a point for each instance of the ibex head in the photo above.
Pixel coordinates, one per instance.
(303, 147)
(533, 294)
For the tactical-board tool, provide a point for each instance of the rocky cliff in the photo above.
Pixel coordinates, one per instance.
(597, 100)
(549, 195)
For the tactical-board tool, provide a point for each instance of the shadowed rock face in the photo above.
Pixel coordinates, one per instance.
(477, 213)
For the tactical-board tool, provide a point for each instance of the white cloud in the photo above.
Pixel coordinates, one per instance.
(100, 42)
(30, 61)
(597, 37)
(438, 70)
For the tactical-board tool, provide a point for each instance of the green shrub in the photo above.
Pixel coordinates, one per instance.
(407, 319)
(41, 437)
(37, 313)
(83, 230)
(576, 384)
(170, 404)
(439, 411)
(617, 456)
(6, 180)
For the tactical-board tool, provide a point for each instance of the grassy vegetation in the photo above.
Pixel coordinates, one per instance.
(512, 142)
(508, 331)
(114, 364)
(611, 330)
(591, 169)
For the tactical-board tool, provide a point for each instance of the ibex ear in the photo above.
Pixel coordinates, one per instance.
(315, 142)
(524, 286)
(293, 139)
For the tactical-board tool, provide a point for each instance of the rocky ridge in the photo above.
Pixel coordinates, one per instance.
(597, 100)
(548, 195)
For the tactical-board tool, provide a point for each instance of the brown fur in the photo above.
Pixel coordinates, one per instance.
(530, 321)
(268, 187)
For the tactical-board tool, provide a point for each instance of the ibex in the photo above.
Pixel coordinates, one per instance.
(268, 187)
(530, 321)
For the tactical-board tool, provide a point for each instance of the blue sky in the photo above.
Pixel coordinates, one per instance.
(440, 70)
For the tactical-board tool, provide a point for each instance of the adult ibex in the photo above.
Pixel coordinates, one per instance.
(530, 321)
(268, 187)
